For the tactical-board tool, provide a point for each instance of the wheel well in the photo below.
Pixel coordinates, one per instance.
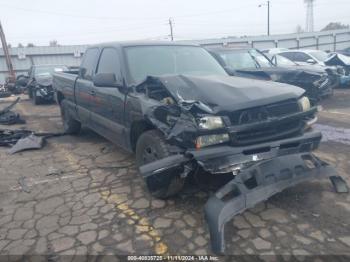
(137, 128)
(60, 97)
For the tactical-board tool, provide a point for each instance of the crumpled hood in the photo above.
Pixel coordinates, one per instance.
(338, 60)
(44, 80)
(227, 93)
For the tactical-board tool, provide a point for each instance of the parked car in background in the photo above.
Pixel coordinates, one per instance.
(282, 61)
(39, 82)
(306, 57)
(319, 58)
(273, 51)
(345, 51)
(251, 63)
(339, 60)
(184, 116)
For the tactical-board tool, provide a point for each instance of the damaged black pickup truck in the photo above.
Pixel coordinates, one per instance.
(175, 106)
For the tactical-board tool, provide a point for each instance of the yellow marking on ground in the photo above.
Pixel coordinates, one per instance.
(335, 112)
(142, 225)
(147, 231)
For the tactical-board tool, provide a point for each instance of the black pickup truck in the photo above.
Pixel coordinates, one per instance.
(179, 111)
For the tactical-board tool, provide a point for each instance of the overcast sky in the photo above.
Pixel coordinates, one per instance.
(93, 21)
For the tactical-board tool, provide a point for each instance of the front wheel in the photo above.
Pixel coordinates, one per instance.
(30, 93)
(36, 99)
(151, 146)
(70, 125)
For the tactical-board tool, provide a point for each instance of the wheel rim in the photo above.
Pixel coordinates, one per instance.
(149, 154)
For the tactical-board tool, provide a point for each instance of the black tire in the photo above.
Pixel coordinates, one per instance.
(30, 93)
(152, 146)
(70, 125)
(36, 99)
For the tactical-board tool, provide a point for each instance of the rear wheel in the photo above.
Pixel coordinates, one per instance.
(70, 125)
(151, 146)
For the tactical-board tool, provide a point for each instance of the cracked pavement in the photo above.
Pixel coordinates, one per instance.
(84, 196)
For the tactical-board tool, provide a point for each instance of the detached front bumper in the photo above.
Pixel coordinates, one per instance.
(260, 171)
(257, 184)
(220, 159)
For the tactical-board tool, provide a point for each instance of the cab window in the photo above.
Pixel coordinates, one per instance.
(109, 63)
(88, 64)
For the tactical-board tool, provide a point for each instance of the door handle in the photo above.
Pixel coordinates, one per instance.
(92, 92)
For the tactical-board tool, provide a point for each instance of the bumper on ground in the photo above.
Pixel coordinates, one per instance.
(259, 171)
(258, 183)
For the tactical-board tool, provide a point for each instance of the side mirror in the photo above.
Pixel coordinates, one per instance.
(311, 61)
(106, 80)
(82, 71)
(230, 71)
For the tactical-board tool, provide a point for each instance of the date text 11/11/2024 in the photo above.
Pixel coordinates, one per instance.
(173, 258)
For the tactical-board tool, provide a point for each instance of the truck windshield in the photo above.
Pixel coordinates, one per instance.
(49, 70)
(146, 61)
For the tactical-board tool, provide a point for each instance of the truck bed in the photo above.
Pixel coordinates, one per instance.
(64, 82)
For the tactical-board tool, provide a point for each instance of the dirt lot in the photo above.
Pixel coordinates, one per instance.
(84, 196)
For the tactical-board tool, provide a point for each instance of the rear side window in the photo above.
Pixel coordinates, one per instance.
(289, 55)
(301, 57)
(109, 63)
(88, 64)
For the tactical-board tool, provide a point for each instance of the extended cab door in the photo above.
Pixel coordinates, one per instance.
(84, 87)
(108, 107)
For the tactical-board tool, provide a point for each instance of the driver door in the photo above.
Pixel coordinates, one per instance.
(107, 111)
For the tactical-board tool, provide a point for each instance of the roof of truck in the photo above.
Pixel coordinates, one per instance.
(141, 43)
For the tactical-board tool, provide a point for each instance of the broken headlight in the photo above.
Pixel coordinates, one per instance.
(210, 122)
(341, 70)
(209, 140)
(304, 103)
(322, 82)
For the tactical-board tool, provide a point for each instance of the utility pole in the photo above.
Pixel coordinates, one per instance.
(6, 53)
(309, 15)
(268, 16)
(171, 29)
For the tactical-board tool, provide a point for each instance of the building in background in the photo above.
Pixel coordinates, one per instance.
(24, 57)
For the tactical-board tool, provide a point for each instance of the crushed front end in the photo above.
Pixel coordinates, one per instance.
(266, 147)
(45, 92)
